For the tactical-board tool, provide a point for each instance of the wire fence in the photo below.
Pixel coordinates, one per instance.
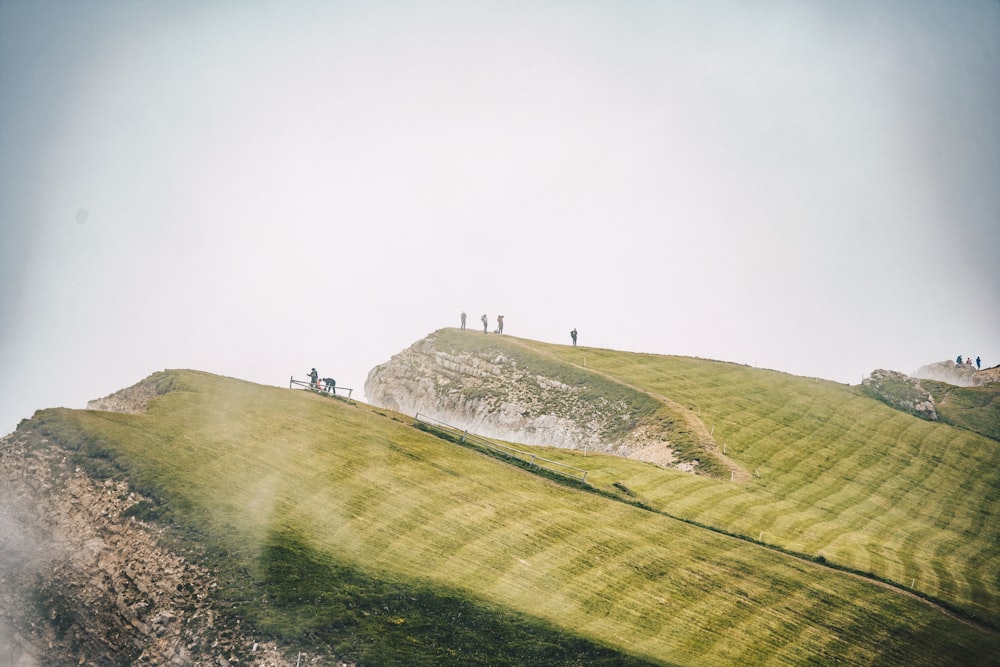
(320, 387)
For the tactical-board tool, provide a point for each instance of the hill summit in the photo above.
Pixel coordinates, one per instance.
(498, 387)
(960, 375)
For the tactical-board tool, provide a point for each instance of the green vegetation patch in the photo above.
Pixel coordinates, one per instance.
(973, 408)
(308, 506)
(836, 475)
(307, 597)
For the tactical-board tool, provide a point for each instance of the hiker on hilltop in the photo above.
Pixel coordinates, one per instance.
(572, 334)
(977, 363)
(463, 319)
(958, 360)
(314, 378)
(500, 324)
(486, 321)
(330, 385)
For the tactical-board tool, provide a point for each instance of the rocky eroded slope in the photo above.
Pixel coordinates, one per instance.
(489, 395)
(83, 583)
(901, 392)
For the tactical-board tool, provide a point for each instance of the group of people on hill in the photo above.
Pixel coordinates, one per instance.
(968, 361)
(329, 385)
(486, 323)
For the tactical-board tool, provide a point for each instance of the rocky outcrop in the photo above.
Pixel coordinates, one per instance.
(84, 583)
(901, 392)
(959, 375)
(497, 392)
(132, 400)
(489, 395)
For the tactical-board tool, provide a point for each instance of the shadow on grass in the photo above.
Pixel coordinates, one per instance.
(307, 599)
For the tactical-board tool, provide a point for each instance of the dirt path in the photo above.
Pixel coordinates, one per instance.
(708, 442)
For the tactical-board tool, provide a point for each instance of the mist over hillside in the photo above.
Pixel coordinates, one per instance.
(181, 519)
(959, 374)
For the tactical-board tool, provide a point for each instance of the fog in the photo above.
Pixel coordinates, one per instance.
(254, 189)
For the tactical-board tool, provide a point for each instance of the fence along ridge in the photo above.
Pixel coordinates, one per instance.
(317, 389)
(524, 457)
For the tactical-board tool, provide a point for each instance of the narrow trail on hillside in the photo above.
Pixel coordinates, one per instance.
(694, 423)
(706, 439)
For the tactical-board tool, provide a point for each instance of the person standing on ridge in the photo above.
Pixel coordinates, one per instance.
(485, 320)
(977, 363)
(572, 334)
(499, 323)
(463, 320)
(313, 378)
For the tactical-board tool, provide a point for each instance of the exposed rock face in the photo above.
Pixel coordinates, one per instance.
(960, 375)
(82, 583)
(132, 400)
(901, 392)
(505, 396)
(492, 396)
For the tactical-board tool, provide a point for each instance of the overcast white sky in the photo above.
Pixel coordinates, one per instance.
(253, 189)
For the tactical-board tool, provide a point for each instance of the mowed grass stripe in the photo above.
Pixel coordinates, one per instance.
(936, 475)
(376, 493)
(800, 532)
(559, 534)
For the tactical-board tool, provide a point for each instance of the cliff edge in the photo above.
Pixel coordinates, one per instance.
(496, 387)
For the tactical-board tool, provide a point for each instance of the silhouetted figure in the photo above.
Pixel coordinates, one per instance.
(463, 319)
(500, 324)
(485, 320)
(330, 385)
(572, 334)
(313, 378)
(958, 359)
(977, 363)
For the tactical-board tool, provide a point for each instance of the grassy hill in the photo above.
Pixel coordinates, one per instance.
(841, 476)
(343, 526)
(973, 408)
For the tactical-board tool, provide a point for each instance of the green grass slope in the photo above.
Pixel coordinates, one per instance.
(973, 408)
(658, 416)
(345, 527)
(836, 475)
